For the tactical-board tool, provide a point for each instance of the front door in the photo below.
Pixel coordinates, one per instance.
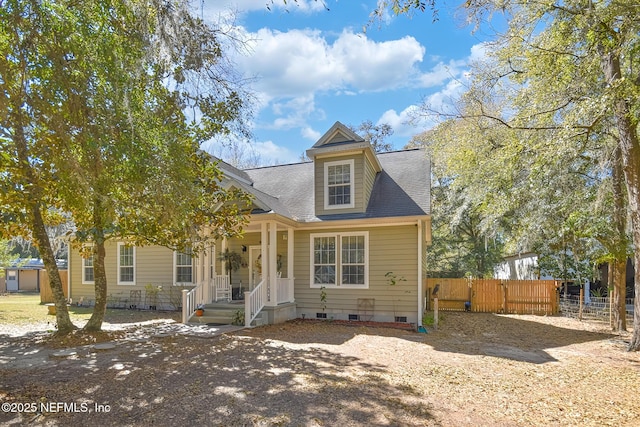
(255, 266)
(12, 280)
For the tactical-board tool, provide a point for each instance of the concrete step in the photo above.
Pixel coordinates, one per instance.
(218, 314)
(223, 313)
(218, 320)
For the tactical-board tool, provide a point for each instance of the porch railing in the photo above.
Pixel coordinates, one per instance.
(204, 292)
(285, 290)
(191, 299)
(254, 302)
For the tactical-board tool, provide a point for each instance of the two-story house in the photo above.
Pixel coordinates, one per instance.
(342, 236)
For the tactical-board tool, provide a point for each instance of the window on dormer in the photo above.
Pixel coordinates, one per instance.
(338, 184)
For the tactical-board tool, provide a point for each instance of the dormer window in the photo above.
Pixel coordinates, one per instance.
(338, 184)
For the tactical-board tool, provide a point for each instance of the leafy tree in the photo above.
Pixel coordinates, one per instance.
(96, 94)
(5, 255)
(375, 134)
(571, 68)
(461, 246)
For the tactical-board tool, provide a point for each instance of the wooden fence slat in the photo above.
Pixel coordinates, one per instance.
(496, 296)
(46, 296)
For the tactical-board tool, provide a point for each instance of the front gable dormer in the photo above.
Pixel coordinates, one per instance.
(345, 168)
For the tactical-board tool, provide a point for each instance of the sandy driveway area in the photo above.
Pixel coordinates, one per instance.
(476, 370)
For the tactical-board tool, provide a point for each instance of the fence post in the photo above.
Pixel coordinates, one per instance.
(504, 299)
(435, 313)
(580, 304)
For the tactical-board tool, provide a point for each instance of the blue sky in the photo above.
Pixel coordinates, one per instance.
(313, 67)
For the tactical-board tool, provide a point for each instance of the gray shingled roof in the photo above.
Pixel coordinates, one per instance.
(401, 189)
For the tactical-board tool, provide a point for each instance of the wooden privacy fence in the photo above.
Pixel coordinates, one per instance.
(495, 296)
(46, 295)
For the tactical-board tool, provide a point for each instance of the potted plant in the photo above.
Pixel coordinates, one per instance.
(200, 310)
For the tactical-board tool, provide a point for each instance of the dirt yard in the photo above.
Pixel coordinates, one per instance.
(476, 370)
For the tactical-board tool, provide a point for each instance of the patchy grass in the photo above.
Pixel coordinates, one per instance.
(24, 309)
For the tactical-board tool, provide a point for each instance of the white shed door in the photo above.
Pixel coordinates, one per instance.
(12, 280)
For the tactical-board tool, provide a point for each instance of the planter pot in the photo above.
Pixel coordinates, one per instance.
(199, 312)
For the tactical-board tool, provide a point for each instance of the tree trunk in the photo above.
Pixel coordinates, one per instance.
(619, 268)
(100, 273)
(619, 264)
(41, 238)
(34, 195)
(630, 149)
(100, 286)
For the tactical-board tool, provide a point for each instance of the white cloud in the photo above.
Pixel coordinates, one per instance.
(300, 62)
(271, 153)
(294, 112)
(452, 79)
(441, 72)
(406, 123)
(478, 52)
(245, 154)
(310, 134)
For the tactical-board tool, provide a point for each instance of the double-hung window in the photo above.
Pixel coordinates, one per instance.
(126, 264)
(88, 275)
(338, 185)
(183, 267)
(340, 260)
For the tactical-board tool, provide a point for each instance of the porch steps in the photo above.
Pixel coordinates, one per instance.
(223, 314)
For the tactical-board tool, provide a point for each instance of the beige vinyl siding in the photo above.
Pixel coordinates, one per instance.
(369, 179)
(154, 265)
(357, 188)
(392, 249)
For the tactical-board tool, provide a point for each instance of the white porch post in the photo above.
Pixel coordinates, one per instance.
(273, 259)
(201, 278)
(264, 254)
(290, 261)
(223, 246)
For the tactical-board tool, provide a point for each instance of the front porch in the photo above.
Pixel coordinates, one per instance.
(261, 277)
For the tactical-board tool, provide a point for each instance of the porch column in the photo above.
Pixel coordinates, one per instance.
(290, 262)
(223, 246)
(264, 254)
(273, 259)
(201, 278)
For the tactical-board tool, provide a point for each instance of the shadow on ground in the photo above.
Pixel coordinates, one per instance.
(509, 337)
(327, 332)
(227, 380)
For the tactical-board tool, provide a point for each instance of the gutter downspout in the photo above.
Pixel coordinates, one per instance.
(420, 256)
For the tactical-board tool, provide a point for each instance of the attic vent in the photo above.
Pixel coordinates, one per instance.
(321, 315)
(401, 319)
(354, 317)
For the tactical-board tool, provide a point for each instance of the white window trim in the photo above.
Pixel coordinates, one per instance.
(120, 282)
(339, 236)
(351, 164)
(175, 271)
(84, 266)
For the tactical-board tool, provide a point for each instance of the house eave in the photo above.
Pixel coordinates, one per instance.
(256, 219)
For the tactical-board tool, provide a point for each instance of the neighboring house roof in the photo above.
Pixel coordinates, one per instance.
(33, 264)
(401, 189)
